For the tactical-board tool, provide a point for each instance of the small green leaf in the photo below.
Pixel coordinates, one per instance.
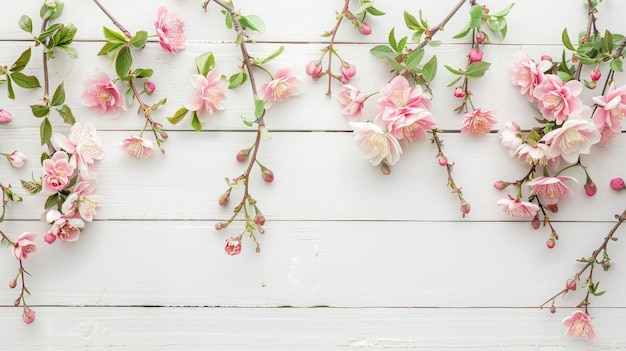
(259, 108)
(374, 11)
(66, 114)
(394, 64)
(272, 56)
(45, 131)
(505, 11)
(477, 69)
(411, 22)
(454, 81)
(21, 61)
(40, 110)
(453, 71)
(26, 24)
(566, 41)
(65, 35)
(476, 16)
(616, 65)
(430, 69)
(114, 36)
(24, 81)
(463, 33)
(415, 58)
(139, 40)
(158, 104)
(51, 201)
(123, 62)
(402, 44)
(10, 92)
(253, 22)
(51, 13)
(382, 51)
(143, 72)
(48, 32)
(392, 40)
(195, 121)
(237, 79)
(247, 122)
(58, 98)
(70, 51)
(105, 48)
(205, 63)
(178, 116)
(228, 21)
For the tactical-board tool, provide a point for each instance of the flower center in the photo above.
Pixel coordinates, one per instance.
(572, 137)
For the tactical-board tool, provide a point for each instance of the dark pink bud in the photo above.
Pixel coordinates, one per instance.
(242, 155)
(570, 284)
(268, 175)
(442, 159)
(475, 55)
(465, 207)
(150, 87)
(12, 284)
(536, 222)
(28, 316)
(366, 29)
(233, 246)
(551, 243)
(595, 75)
(480, 37)
(552, 309)
(617, 184)
(259, 219)
(459, 92)
(590, 187)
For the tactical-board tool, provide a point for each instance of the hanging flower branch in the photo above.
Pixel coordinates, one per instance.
(209, 97)
(22, 248)
(104, 97)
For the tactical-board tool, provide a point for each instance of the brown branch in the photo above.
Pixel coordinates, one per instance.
(331, 45)
(432, 31)
(115, 22)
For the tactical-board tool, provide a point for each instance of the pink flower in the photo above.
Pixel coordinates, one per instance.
(580, 325)
(348, 71)
(534, 154)
(611, 109)
(478, 122)
(351, 100)
(617, 184)
(283, 86)
(85, 147)
(550, 189)
(233, 246)
(138, 147)
(557, 101)
(57, 172)
(208, 97)
(518, 208)
(511, 137)
(17, 159)
(28, 316)
(403, 110)
(377, 145)
(480, 37)
(459, 92)
(103, 96)
(595, 75)
(314, 69)
(83, 200)
(575, 137)
(5, 116)
(25, 245)
(170, 29)
(527, 74)
(475, 55)
(63, 227)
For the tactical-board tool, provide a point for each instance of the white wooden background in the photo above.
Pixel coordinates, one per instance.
(351, 259)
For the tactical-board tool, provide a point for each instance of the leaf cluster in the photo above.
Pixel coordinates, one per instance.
(57, 103)
(496, 22)
(595, 50)
(56, 36)
(14, 74)
(118, 48)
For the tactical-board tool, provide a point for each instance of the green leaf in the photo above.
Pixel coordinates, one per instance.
(453, 71)
(564, 76)
(65, 35)
(24, 81)
(70, 51)
(105, 48)
(430, 69)
(195, 121)
(26, 24)
(607, 43)
(237, 79)
(463, 33)
(476, 16)
(259, 108)
(143, 72)
(477, 69)
(45, 131)
(123, 62)
(253, 22)
(48, 32)
(454, 81)
(411, 22)
(205, 63)
(616, 65)
(51, 13)
(394, 64)
(228, 21)
(505, 11)
(392, 40)
(246, 122)
(382, 51)
(66, 114)
(10, 92)
(58, 98)
(402, 44)
(158, 104)
(40, 110)
(417, 36)
(21, 61)
(566, 41)
(114, 36)
(139, 40)
(52, 201)
(415, 58)
(178, 116)
(374, 11)
(434, 43)
(272, 56)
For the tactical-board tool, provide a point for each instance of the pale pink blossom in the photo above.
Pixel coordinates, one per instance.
(527, 74)
(575, 137)
(478, 122)
(233, 246)
(611, 109)
(82, 200)
(85, 147)
(517, 208)
(25, 245)
(511, 137)
(550, 189)
(376, 145)
(17, 159)
(404, 110)
(103, 96)
(607, 136)
(580, 325)
(208, 97)
(314, 69)
(138, 147)
(5, 116)
(351, 100)
(558, 101)
(283, 86)
(63, 227)
(348, 71)
(170, 29)
(534, 153)
(57, 171)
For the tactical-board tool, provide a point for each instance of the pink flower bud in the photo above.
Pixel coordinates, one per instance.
(150, 87)
(442, 159)
(242, 155)
(17, 159)
(480, 37)
(28, 316)
(163, 134)
(12, 284)
(348, 71)
(314, 69)
(536, 222)
(595, 75)
(617, 184)
(259, 219)
(552, 309)
(221, 225)
(224, 198)
(17, 302)
(233, 246)
(501, 185)
(366, 29)
(465, 207)
(49, 237)
(5, 116)
(546, 58)
(267, 175)
(459, 92)
(551, 243)
(570, 284)
(475, 55)
(590, 187)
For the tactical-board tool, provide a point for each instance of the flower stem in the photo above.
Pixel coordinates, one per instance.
(115, 22)
(455, 189)
(331, 45)
(433, 30)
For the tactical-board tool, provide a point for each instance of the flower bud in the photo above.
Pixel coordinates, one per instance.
(501, 185)
(465, 207)
(5, 116)
(49, 237)
(617, 184)
(242, 155)
(366, 29)
(536, 222)
(259, 219)
(220, 225)
(28, 316)
(480, 37)
(233, 246)
(17, 302)
(223, 199)
(442, 159)
(590, 187)
(314, 69)
(570, 284)
(385, 168)
(459, 92)
(348, 71)
(475, 55)
(554, 208)
(595, 75)
(267, 175)
(258, 248)
(606, 264)
(150, 87)
(551, 243)
(12, 284)
(546, 58)
(164, 134)
(17, 159)
(552, 309)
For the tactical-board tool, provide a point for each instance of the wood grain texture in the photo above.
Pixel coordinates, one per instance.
(351, 259)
